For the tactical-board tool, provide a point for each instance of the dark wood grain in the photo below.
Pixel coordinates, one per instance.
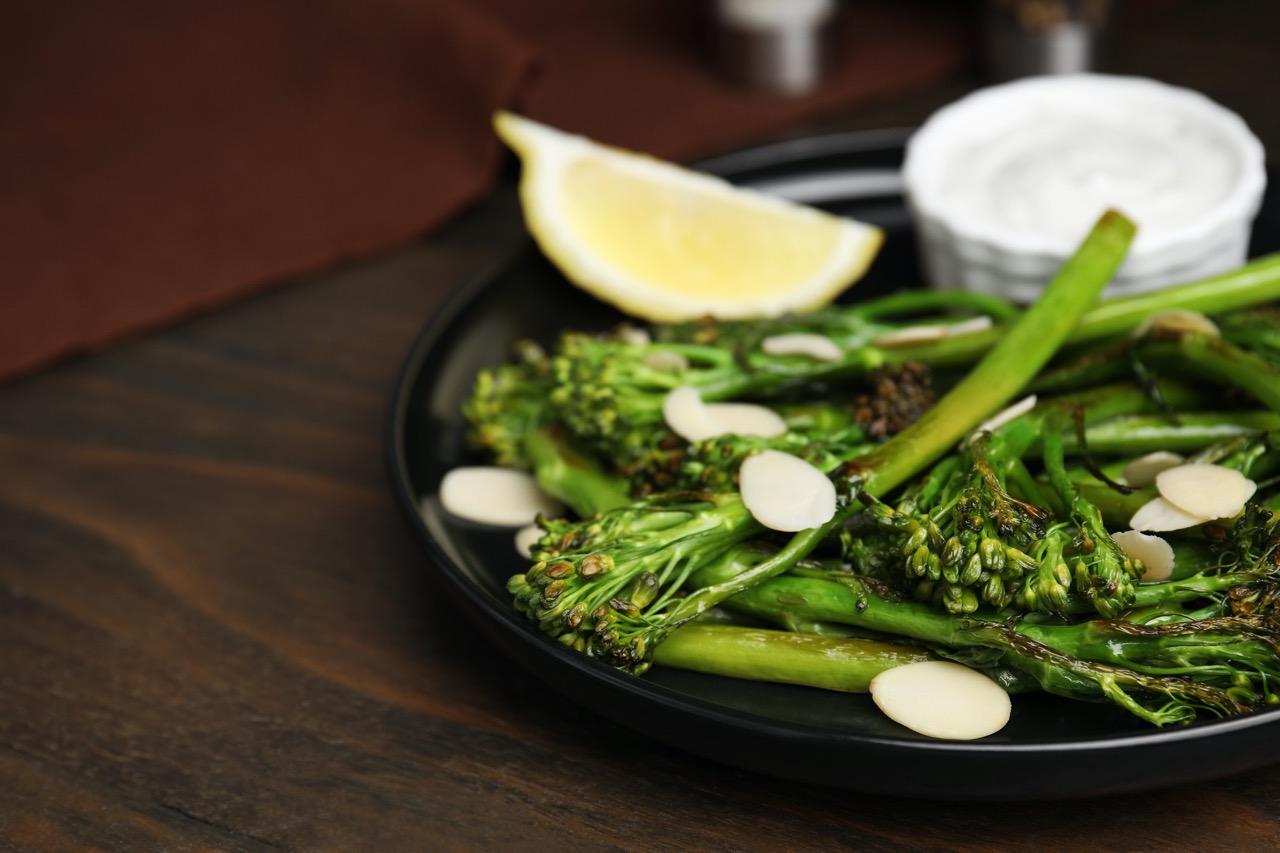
(217, 633)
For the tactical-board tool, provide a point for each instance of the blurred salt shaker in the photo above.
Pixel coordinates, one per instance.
(777, 45)
(1023, 38)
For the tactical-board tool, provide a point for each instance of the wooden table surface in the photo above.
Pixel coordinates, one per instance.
(216, 632)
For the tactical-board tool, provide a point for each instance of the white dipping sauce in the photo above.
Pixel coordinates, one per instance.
(1049, 169)
(1005, 182)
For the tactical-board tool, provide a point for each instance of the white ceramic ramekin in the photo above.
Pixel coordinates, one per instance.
(963, 247)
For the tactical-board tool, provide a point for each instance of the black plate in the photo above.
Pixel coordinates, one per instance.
(1051, 747)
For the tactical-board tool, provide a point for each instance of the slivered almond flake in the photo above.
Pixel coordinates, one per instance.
(1159, 516)
(746, 419)
(687, 415)
(1143, 470)
(1003, 417)
(665, 360)
(694, 420)
(817, 347)
(1177, 321)
(1155, 553)
(526, 538)
(498, 496)
(1209, 491)
(783, 492)
(909, 335)
(942, 699)
(635, 335)
(970, 326)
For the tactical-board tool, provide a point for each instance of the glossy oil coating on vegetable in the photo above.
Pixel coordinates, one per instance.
(994, 549)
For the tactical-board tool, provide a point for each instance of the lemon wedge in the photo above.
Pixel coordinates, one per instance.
(664, 243)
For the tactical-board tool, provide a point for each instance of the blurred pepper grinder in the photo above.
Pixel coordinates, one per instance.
(777, 45)
(1026, 37)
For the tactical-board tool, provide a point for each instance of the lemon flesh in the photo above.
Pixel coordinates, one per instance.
(665, 243)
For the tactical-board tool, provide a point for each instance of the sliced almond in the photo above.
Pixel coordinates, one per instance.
(817, 347)
(630, 334)
(783, 492)
(1177, 321)
(1003, 417)
(498, 496)
(694, 420)
(1160, 516)
(1209, 491)
(1143, 470)
(746, 419)
(909, 335)
(1155, 553)
(687, 415)
(665, 360)
(526, 538)
(942, 699)
(970, 326)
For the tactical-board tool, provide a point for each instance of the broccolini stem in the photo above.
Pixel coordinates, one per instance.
(571, 478)
(1115, 507)
(1048, 657)
(1252, 284)
(1134, 435)
(768, 378)
(924, 301)
(758, 654)
(1255, 328)
(1108, 364)
(1217, 359)
(1256, 282)
(1025, 487)
(1174, 592)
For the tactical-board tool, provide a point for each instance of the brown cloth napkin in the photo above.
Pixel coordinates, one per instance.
(157, 158)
